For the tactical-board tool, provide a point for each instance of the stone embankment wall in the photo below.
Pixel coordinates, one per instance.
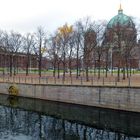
(121, 98)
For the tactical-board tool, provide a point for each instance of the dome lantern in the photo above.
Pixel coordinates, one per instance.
(120, 11)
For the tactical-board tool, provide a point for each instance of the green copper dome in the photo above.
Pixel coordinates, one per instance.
(121, 19)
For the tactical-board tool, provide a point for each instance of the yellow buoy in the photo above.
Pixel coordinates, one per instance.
(13, 90)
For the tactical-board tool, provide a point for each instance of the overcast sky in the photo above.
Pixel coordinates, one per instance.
(26, 15)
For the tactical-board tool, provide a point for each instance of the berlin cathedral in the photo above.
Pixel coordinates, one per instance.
(120, 39)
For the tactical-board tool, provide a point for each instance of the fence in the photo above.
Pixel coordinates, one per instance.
(93, 81)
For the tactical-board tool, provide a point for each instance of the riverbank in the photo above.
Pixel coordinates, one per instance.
(119, 98)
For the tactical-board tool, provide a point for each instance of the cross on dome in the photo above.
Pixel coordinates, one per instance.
(120, 11)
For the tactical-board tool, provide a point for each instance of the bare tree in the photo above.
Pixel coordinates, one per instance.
(85, 43)
(78, 32)
(99, 48)
(29, 43)
(70, 53)
(89, 45)
(63, 38)
(3, 51)
(54, 51)
(40, 46)
(128, 44)
(13, 42)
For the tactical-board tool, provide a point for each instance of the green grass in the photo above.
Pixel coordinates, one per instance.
(102, 70)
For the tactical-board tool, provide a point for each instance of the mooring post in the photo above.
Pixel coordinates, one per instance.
(71, 79)
(115, 81)
(129, 82)
(32, 80)
(54, 80)
(39, 79)
(81, 81)
(92, 81)
(46, 80)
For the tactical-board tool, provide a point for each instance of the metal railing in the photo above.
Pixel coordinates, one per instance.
(93, 81)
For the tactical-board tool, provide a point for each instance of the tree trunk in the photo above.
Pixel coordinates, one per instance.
(64, 67)
(70, 69)
(54, 68)
(58, 70)
(14, 64)
(99, 67)
(87, 76)
(11, 64)
(77, 62)
(118, 72)
(27, 65)
(54, 72)
(106, 64)
(64, 70)
(39, 64)
(123, 73)
(40, 58)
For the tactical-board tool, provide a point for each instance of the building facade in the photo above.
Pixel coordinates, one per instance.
(121, 40)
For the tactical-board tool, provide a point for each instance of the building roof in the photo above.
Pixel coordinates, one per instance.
(121, 20)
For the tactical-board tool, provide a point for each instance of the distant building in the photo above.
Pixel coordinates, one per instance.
(120, 38)
(16, 60)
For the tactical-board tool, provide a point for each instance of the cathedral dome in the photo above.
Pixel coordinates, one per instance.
(121, 20)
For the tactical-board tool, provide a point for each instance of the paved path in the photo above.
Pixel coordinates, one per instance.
(48, 79)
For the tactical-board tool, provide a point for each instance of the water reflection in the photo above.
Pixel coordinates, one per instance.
(27, 119)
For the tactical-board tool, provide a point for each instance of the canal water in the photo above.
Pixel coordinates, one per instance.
(29, 119)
